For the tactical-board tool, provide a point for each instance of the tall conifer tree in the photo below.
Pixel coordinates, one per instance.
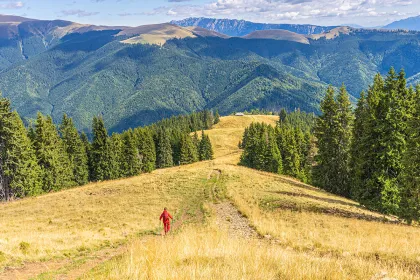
(205, 147)
(76, 150)
(325, 174)
(101, 154)
(189, 152)
(130, 155)
(56, 169)
(163, 150)
(147, 149)
(410, 194)
(19, 171)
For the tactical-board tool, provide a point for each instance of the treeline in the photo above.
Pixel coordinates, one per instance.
(286, 149)
(370, 154)
(256, 112)
(44, 157)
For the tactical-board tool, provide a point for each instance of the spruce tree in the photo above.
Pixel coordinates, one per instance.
(379, 159)
(273, 157)
(19, 171)
(76, 150)
(116, 156)
(261, 151)
(163, 150)
(282, 115)
(325, 174)
(130, 155)
(344, 138)
(101, 154)
(196, 142)
(289, 149)
(205, 147)
(359, 147)
(410, 193)
(56, 169)
(87, 148)
(216, 117)
(188, 149)
(147, 149)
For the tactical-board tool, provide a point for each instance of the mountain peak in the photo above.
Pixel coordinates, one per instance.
(412, 23)
(239, 28)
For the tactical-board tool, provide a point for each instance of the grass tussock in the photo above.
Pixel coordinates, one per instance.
(209, 253)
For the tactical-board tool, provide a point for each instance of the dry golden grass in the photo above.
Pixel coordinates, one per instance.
(209, 253)
(74, 221)
(314, 222)
(158, 34)
(225, 136)
(311, 237)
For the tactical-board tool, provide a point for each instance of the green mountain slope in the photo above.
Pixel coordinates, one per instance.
(130, 85)
(135, 76)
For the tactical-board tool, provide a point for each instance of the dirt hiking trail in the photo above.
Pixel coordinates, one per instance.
(229, 218)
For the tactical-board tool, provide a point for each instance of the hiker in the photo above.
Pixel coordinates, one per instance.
(165, 219)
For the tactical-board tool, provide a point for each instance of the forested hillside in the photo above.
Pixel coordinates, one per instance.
(44, 158)
(136, 76)
(370, 155)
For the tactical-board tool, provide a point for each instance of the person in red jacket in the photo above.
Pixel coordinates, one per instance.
(165, 219)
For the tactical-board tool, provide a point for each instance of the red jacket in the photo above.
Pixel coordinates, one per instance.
(165, 217)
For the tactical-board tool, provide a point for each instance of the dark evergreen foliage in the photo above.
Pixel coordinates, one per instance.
(37, 159)
(56, 169)
(205, 149)
(19, 171)
(76, 150)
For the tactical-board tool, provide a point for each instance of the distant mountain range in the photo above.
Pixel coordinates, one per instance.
(136, 75)
(412, 23)
(237, 28)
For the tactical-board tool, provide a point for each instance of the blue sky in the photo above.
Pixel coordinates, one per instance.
(138, 12)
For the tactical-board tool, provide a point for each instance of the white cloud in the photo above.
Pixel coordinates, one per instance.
(79, 13)
(283, 10)
(12, 5)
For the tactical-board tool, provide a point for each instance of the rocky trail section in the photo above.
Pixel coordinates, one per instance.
(229, 218)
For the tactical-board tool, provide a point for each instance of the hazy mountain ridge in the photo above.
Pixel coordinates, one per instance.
(237, 28)
(412, 23)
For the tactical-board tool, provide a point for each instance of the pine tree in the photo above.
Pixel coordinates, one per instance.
(410, 193)
(359, 147)
(163, 150)
(56, 169)
(116, 159)
(196, 141)
(147, 149)
(207, 120)
(76, 150)
(87, 148)
(216, 117)
(379, 159)
(261, 151)
(188, 149)
(273, 157)
(325, 174)
(101, 154)
(130, 155)
(282, 115)
(289, 149)
(19, 171)
(205, 147)
(344, 137)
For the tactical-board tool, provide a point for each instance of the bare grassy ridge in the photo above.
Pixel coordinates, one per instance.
(310, 234)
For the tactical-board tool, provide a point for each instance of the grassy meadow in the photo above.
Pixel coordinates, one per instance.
(305, 233)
